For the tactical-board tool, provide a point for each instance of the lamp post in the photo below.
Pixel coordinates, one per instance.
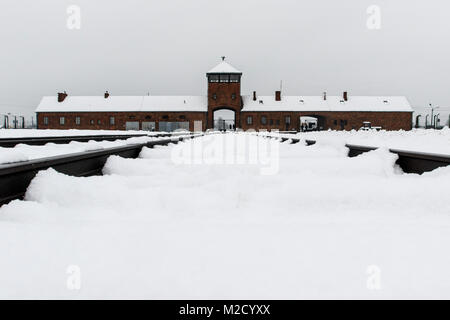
(426, 121)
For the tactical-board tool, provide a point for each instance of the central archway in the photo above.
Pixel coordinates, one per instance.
(224, 119)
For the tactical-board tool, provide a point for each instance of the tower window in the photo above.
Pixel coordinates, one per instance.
(234, 78)
(214, 78)
(46, 121)
(233, 96)
(224, 78)
(214, 96)
(249, 120)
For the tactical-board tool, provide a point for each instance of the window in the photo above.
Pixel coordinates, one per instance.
(287, 120)
(224, 78)
(165, 117)
(234, 78)
(182, 117)
(263, 120)
(214, 96)
(335, 122)
(112, 121)
(345, 122)
(233, 96)
(99, 122)
(249, 120)
(214, 78)
(148, 117)
(77, 120)
(62, 121)
(91, 122)
(278, 122)
(271, 122)
(46, 121)
(132, 117)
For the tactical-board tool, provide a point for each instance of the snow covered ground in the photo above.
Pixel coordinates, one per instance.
(26, 133)
(23, 152)
(323, 226)
(433, 141)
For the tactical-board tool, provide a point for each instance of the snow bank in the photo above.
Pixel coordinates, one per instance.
(28, 133)
(151, 229)
(8, 155)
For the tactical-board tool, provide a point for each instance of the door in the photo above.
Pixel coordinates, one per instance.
(132, 125)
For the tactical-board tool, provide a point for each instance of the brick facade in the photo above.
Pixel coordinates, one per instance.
(224, 96)
(328, 120)
(101, 120)
(224, 92)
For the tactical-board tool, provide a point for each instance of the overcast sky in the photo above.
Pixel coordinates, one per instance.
(165, 47)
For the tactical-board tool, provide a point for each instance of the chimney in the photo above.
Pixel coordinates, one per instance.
(254, 95)
(325, 95)
(106, 95)
(345, 96)
(61, 96)
(277, 95)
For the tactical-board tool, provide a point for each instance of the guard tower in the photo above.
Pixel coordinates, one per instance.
(224, 92)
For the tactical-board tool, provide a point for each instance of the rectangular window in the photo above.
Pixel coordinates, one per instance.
(62, 121)
(77, 120)
(112, 121)
(271, 122)
(278, 122)
(91, 122)
(46, 121)
(234, 78)
(335, 122)
(99, 122)
(287, 120)
(224, 78)
(263, 120)
(249, 120)
(214, 78)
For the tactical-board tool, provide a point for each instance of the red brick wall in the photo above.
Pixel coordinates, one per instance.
(120, 119)
(224, 93)
(386, 120)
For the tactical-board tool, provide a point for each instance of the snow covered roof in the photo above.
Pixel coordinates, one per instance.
(333, 103)
(124, 103)
(224, 67)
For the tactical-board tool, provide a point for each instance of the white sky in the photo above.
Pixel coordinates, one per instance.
(165, 47)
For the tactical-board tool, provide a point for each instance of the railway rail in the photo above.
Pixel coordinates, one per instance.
(409, 161)
(16, 177)
(39, 141)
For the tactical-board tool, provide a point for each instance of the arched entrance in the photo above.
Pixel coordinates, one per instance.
(224, 119)
(311, 122)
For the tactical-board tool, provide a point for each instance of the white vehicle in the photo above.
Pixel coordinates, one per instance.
(367, 126)
(308, 123)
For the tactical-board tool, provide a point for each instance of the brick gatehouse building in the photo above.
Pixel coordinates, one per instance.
(168, 113)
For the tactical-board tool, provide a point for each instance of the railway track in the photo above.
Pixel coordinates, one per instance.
(39, 141)
(16, 177)
(409, 161)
